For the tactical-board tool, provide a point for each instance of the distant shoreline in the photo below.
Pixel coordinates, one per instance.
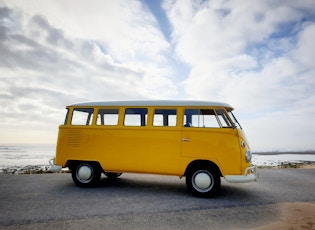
(308, 152)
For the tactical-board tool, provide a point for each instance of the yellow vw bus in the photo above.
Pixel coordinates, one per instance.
(199, 140)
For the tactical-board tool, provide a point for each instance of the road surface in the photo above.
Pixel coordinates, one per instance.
(50, 201)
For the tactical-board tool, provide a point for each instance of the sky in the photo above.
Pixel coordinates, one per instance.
(258, 56)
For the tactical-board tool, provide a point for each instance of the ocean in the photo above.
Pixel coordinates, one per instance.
(19, 156)
(23, 155)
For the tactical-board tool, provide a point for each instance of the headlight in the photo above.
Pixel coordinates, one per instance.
(248, 156)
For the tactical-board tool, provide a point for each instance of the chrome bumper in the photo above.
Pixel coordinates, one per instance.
(250, 174)
(53, 167)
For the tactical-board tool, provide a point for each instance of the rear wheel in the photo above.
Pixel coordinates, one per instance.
(203, 182)
(86, 174)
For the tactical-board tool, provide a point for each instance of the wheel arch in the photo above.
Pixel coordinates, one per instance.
(71, 164)
(202, 163)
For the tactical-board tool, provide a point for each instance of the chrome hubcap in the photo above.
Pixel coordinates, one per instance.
(84, 173)
(202, 181)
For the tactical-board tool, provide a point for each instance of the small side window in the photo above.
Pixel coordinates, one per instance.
(136, 117)
(225, 122)
(107, 117)
(164, 117)
(82, 116)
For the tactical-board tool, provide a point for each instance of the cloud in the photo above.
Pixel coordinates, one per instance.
(258, 56)
(305, 51)
(102, 54)
(46, 65)
(229, 43)
(126, 29)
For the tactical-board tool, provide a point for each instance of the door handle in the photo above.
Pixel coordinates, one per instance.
(185, 139)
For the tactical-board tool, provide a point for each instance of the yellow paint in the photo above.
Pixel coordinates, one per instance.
(151, 149)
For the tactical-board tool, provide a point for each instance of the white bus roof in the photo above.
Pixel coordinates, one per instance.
(153, 103)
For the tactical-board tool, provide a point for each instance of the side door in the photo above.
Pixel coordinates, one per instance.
(166, 140)
(204, 137)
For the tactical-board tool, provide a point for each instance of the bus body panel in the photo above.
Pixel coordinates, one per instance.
(155, 150)
(214, 144)
(151, 149)
(124, 150)
(141, 150)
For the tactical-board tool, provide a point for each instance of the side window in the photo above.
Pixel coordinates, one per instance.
(201, 118)
(164, 117)
(136, 117)
(225, 122)
(82, 116)
(107, 117)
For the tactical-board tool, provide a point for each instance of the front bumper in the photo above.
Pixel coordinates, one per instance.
(53, 167)
(250, 174)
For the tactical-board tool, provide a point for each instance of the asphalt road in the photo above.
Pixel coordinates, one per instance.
(50, 201)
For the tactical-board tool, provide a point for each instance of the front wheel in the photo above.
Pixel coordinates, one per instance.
(203, 182)
(86, 174)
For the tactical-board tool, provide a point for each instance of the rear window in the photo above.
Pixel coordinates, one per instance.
(82, 116)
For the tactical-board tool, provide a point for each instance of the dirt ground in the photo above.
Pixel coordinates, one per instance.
(293, 216)
(310, 166)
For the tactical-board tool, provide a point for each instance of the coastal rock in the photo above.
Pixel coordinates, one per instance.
(29, 169)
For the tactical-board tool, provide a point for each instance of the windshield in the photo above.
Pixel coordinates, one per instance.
(235, 121)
